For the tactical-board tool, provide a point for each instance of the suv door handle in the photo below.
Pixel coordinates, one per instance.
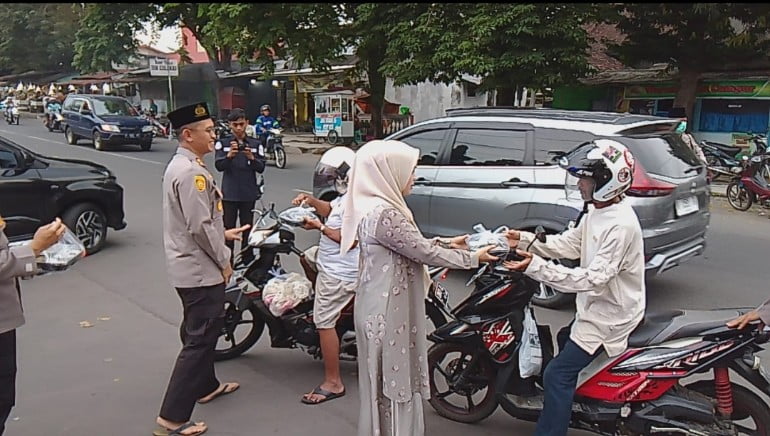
(515, 182)
(422, 181)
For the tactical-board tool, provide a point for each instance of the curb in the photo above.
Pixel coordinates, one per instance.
(718, 190)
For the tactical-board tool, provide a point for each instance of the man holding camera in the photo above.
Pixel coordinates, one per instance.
(239, 158)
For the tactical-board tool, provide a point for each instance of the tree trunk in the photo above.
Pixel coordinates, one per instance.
(376, 94)
(505, 96)
(688, 88)
(225, 58)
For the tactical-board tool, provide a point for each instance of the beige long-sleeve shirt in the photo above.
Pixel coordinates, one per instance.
(609, 282)
(14, 263)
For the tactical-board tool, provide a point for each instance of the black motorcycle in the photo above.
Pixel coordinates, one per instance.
(54, 121)
(246, 313)
(721, 158)
(474, 366)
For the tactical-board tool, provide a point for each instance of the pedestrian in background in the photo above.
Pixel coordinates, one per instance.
(199, 268)
(679, 112)
(15, 263)
(392, 284)
(239, 158)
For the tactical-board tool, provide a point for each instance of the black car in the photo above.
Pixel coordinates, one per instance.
(106, 120)
(36, 189)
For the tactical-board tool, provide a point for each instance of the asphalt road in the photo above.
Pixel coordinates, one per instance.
(109, 379)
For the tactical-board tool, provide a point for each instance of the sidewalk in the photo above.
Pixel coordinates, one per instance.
(304, 143)
(718, 189)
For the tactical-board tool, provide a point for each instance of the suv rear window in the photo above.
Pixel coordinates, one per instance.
(664, 155)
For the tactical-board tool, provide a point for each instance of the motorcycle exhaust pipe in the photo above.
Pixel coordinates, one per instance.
(654, 429)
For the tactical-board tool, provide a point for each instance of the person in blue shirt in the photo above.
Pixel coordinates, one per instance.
(264, 122)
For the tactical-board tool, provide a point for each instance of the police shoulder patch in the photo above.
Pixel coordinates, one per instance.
(200, 183)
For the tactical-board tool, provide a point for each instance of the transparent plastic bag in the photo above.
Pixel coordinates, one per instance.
(530, 353)
(60, 255)
(484, 237)
(283, 293)
(296, 215)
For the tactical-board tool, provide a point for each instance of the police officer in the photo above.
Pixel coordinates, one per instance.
(14, 263)
(199, 267)
(239, 158)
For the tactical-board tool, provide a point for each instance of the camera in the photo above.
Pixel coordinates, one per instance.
(241, 146)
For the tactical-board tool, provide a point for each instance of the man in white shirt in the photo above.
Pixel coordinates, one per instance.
(609, 282)
(337, 274)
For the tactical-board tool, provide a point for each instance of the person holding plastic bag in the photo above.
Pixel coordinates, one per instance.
(609, 282)
(392, 284)
(17, 262)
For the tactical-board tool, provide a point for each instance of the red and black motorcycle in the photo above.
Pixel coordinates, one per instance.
(474, 367)
(749, 184)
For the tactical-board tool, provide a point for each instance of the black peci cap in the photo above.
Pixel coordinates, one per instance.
(188, 115)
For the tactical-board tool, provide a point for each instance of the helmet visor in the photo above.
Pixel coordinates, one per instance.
(579, 188)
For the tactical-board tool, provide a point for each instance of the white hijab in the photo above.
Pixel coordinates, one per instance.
(380, 173)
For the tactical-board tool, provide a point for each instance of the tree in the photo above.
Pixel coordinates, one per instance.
(693, 38)
(508, 45)
(37, 36)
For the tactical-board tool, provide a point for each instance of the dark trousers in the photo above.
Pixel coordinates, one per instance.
(7, 376)
(232, 210)
(560, 382)
(193, 376)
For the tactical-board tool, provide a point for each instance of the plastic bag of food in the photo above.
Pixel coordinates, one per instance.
(296, 215)
(60, 255)
(530, 353)
(484, 237)
(283, 293)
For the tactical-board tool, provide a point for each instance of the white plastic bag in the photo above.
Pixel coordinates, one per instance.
(530, 353)
(296, 215)
(285, 292)
(484, 237)
(60, 255)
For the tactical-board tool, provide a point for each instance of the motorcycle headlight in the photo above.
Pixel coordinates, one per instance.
(258, 236)
(146, 129)
(110, 128)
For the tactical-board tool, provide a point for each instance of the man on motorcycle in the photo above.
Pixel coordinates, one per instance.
(263, 123)
(609, 282)
(52, 108)
(336, 274)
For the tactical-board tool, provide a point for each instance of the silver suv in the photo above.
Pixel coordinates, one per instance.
(495, 166)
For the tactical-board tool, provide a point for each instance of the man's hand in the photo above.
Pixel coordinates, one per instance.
(484, 256)
(459, 242)
(311, 223)
(743, 320)
(233, 150)
(47, 235)
(514, 236)
(235, 234)
(249, 154)
(302, 198)
(227, 273)
(519, 265)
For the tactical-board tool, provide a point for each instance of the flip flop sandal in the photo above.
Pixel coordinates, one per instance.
(328, 396)
(162, 431)
(224, 391)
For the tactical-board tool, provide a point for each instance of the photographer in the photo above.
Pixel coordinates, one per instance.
(239, 158)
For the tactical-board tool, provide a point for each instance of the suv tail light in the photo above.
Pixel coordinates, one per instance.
(645, 186)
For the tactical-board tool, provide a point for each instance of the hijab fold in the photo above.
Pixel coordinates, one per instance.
(380, 174)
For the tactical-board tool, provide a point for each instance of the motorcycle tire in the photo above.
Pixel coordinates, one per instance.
(234, 318)
(474, 412)
(18, 119)
(746, 405)
(280, 158)
(739, 197)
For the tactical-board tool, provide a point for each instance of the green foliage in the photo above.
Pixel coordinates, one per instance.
(699, 37)
(511, 44)
(37, 36)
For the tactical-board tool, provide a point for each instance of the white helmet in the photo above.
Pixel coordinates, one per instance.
(333, 168)
(608, 163)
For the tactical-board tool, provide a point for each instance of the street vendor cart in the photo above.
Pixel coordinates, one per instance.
(334, 116)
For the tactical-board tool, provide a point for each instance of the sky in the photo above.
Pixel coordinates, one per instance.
(168, 40)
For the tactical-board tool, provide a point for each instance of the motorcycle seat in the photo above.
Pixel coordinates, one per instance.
(667, 325)
(729, 149)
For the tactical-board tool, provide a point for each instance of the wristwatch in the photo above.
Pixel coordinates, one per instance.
(322, 228)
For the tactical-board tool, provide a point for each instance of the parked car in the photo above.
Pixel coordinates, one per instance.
(496, 166)
(106, 120)
(35, 189)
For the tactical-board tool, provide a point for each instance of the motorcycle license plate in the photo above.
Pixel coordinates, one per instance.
(686, 206)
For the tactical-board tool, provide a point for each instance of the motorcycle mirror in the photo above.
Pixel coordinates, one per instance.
(540, 234)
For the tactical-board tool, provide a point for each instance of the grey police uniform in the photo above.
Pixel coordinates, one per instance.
(194, 239)
(14, 262)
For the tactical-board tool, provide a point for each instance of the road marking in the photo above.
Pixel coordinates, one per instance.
(87, 149)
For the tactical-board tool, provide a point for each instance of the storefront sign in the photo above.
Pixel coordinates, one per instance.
(750, 88)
